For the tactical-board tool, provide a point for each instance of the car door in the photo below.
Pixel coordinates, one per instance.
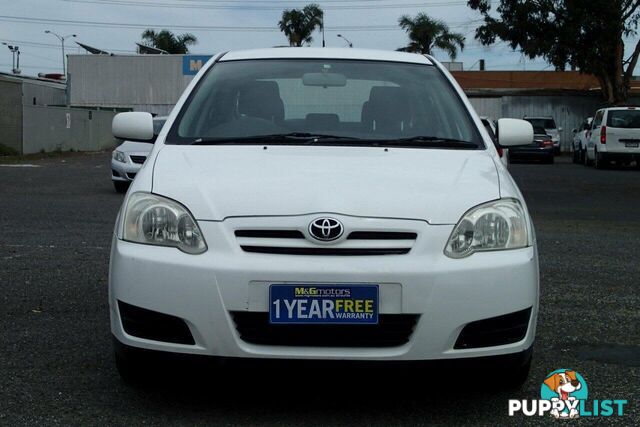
(594, 134)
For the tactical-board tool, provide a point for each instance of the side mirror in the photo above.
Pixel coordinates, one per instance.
(514, 132)
(559, 129)
(134, 126)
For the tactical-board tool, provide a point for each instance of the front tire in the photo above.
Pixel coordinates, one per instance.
(121, 186)
(587, 162)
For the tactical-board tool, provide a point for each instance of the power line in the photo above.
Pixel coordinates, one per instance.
(271, 6)
(65, 22)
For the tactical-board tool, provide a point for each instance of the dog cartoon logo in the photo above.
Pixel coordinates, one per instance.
(565, 389)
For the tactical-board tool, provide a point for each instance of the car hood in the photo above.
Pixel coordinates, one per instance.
(218, 182)
(135, 147)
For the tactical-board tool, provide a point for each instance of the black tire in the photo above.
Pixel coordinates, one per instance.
(121, 186)
(576, 156)
(599, 162)
(587, 162)
(518, 375)
(131, 364)
(551, 160)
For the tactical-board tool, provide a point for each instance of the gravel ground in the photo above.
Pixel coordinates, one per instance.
(56, 363)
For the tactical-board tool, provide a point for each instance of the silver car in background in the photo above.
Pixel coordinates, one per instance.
(128, 158)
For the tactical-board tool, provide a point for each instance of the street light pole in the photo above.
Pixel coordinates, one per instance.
(15, 58)
(64, 58)
(345, 39)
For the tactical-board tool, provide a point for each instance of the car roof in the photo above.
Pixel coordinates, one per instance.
(630, 107)
(326, 53)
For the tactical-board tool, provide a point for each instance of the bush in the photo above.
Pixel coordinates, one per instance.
(7, 151)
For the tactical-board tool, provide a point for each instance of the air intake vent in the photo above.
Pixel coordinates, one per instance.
(270, 234)
(381, 235)
(324, 251)
(392, 330)
(152, 325)
(138, 159)
(506, 329)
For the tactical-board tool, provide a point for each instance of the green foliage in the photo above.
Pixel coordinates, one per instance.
(298, 25)
(7, 151)
(426, 34)
(587, 35)
(169, 42)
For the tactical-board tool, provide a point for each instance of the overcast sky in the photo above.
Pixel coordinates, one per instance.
(115, 25)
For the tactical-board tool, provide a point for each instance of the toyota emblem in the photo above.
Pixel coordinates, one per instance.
(326, 229)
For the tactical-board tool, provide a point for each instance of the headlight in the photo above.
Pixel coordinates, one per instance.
(155, 220)
(118, 156)
(492, 226)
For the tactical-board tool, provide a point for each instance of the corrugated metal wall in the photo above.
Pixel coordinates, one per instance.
(144, 82)
(11, 115)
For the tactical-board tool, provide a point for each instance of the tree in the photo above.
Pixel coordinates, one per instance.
(426, 34)
(587, 35)
(169, 42)
(298, 25)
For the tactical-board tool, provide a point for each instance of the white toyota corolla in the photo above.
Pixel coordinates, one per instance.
(324, 204)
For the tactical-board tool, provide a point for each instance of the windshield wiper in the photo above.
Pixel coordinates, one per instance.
(293, 138)
(431, 142)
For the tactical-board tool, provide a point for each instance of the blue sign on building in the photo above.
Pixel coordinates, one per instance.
(191, 64)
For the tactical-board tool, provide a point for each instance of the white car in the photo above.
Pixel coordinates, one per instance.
(128, 158)
(333, 204)
(580, 137)
(549, 125)
(614, 136)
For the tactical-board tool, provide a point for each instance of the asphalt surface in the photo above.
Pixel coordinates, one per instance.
(56, 363)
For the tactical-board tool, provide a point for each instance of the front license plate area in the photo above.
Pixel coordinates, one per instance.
(323, 304)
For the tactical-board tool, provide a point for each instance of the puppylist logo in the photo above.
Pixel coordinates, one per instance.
(563, 394)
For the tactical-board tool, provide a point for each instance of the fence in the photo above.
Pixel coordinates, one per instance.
(61, 128)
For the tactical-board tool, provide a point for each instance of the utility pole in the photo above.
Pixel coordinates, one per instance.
(64, 58)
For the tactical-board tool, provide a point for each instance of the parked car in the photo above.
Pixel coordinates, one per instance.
(540, 149)
(490, 127)
(580, 136)
(324, 204)
(128, 158)
(549, 125)
(614, 136)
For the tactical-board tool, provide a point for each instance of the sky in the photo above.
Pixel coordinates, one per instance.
(115, 26)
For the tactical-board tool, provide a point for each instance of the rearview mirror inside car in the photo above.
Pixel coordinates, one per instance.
(324, 79)
(514, 132)
(133, 126)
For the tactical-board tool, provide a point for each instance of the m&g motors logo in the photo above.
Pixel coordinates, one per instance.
(564, 394)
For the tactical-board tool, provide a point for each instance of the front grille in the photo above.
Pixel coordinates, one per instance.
(131, 175)
(392, 330)
(293, 242)
(138, 159)
(152, 325)
(279, 250)
(507, 329)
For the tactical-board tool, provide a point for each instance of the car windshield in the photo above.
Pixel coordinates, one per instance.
(325, 101)
(623, 118)
(543, 123)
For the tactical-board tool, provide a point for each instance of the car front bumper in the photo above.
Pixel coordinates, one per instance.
(206, 291)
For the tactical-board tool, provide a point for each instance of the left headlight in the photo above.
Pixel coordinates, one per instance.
(118, 156)
(155, 220)
(492, 226)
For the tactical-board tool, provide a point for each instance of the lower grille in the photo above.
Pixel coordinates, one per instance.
(506, 329)
(392, 330)
(131, 175)
(152, 325)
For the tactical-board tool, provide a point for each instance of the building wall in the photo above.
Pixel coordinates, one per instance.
(567, 110)
(142, 82)
(11, 114)
(37, 93)
(60, 128)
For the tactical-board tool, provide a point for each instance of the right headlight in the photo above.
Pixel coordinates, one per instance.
(493, 226)
(155, 220)
(119, 156)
